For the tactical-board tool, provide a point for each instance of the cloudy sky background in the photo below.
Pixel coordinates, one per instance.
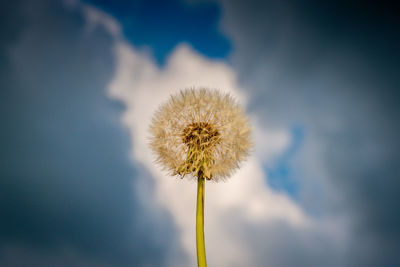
(80, 81)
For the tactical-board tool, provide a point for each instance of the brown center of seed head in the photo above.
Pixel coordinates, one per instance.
(200, 135)
(200, 138)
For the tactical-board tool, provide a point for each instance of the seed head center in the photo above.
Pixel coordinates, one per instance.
(200, 135)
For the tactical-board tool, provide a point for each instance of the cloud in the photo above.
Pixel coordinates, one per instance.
(25, 256)
(96, 17)
(329, 68)
(67, 191)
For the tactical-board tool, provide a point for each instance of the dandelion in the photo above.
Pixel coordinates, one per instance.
(203, 134)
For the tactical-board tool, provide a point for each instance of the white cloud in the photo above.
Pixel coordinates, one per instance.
(270, 142)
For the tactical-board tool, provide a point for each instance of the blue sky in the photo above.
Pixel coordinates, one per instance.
(281, 175)
(318, 80)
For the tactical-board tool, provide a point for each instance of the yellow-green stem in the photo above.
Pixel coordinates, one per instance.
(201, 251)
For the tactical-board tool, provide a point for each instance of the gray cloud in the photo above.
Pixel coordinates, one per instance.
(331, 67)
(68, 190)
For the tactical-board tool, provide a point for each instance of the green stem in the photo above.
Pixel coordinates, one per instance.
(201, 251)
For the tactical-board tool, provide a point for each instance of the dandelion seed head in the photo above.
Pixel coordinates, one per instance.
(200, 132)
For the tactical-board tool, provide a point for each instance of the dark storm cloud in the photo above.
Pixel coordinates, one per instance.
(68, 192)
(332, 67)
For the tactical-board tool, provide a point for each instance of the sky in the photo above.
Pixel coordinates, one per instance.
(80, 81)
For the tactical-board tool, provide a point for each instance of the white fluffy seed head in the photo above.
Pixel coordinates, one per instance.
(200, 132)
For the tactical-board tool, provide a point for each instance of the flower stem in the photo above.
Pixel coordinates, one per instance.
(201, 251)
